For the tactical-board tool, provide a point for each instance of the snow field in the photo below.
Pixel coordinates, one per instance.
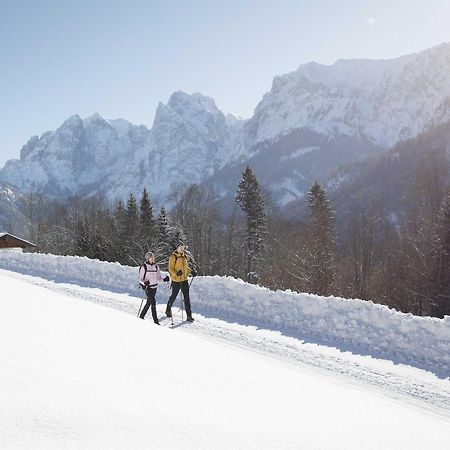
(79, 376)
(349, 324)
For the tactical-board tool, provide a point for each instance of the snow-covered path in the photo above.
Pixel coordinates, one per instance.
(77, 375)
(407, 384)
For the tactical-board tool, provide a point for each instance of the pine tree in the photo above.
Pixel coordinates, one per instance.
(163, 247)
(321, 243)
(120, 238)
(250, 199)
(131, 216)
(146, 221)
(133, 251)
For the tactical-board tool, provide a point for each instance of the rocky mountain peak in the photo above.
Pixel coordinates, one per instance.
(181, 102)
(312, 121)
(72, 122)
(385, 100)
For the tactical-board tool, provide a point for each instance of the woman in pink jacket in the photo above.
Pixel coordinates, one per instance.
(149, 276)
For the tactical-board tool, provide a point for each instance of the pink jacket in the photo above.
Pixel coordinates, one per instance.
(153, 274)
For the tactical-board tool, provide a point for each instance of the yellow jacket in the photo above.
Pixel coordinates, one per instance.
(178, 261)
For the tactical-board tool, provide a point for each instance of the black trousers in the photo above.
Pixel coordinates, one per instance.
(150, 292)
(184, 286)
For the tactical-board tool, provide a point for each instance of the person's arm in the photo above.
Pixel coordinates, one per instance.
(141, 275)
(171, 267)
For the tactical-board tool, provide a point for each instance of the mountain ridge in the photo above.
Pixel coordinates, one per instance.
(312, 121)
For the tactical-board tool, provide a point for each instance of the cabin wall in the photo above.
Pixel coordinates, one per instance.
(9, 242)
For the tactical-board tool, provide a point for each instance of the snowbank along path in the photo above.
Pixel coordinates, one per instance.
(358, 326)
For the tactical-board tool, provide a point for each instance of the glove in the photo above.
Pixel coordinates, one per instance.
(146, 284)
(179, 273)
(193, 273)
(166, 279)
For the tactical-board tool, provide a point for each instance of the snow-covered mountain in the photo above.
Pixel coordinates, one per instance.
(321, 117)
(11, 219)
(191, 139)
(385, 101)
(188, 141)
(312, 121)
(75, 158)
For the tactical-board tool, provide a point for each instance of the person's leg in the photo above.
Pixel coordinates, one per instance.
(187, 300)
(153, 305)
(147, 304)
(173, 296)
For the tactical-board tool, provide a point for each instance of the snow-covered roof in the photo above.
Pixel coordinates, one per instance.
(2, 235)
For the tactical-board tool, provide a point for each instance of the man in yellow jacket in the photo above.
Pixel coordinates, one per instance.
(179, 272)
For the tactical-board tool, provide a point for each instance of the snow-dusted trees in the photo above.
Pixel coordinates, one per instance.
(441, 300)
(195, 212)
(321, 246)
(233, 248)
(96, 228)
(414, 253)
(251, 201)
(168, 237)
(88, 229)
(162, 246)
(361, 248)
(135, 226)
(403, 263)
(36, 208)
(303, 254)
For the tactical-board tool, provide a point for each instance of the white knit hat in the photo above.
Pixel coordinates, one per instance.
(148, 255)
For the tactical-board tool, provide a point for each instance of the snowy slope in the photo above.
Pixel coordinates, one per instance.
(79, 375)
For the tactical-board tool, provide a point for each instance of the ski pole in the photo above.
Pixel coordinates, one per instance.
(182, 300)
(170, 288)
(139, 313)
(182, 307)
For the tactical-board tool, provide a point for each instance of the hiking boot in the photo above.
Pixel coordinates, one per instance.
(189, 319)
(156, 322)
(169, 311)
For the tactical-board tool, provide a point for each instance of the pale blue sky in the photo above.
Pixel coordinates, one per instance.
(120, 58)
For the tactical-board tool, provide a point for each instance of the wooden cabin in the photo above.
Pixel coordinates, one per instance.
(10, 241)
